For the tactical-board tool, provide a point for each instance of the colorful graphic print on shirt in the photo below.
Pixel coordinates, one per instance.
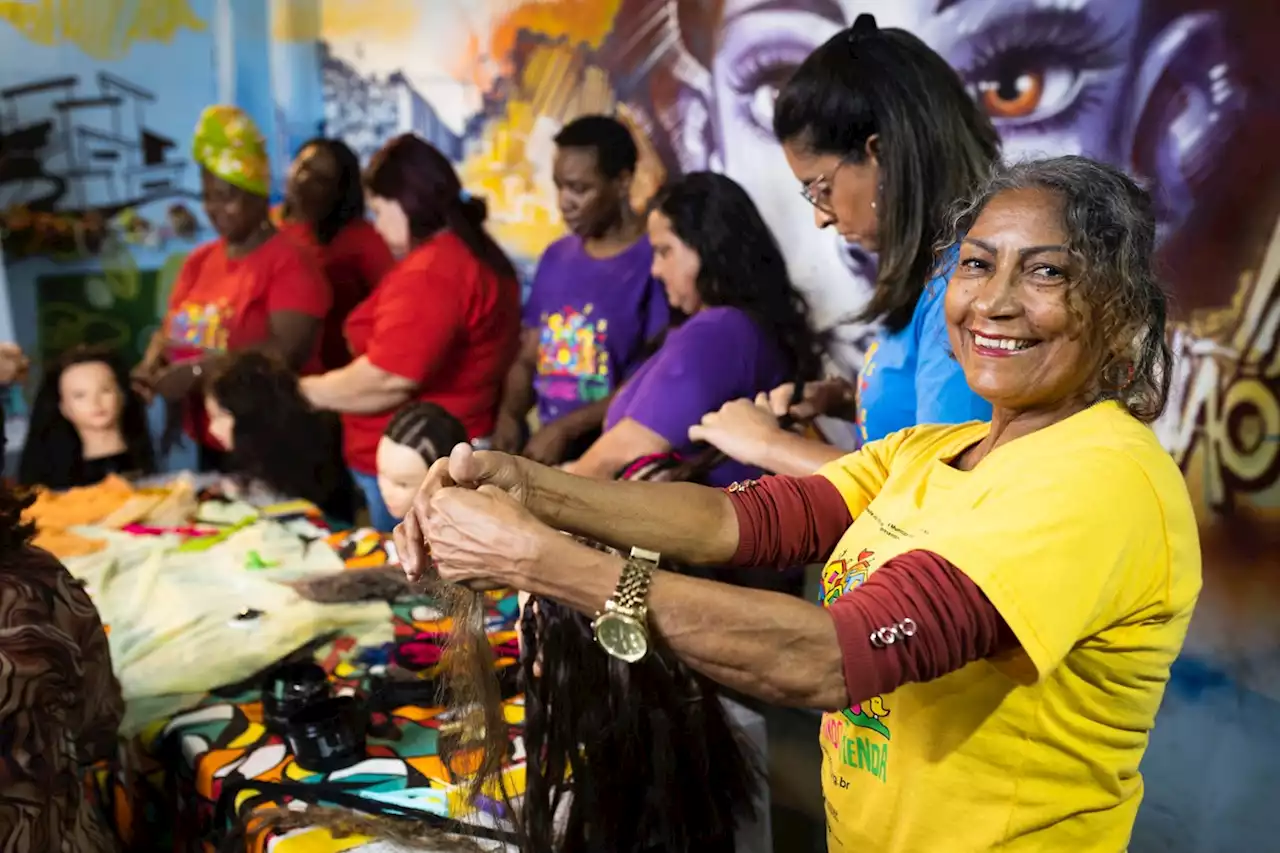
(573, 362)
(206, 325)
(864, 379)
(858, 735)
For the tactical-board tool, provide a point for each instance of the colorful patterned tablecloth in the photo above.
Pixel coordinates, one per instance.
(165, 793)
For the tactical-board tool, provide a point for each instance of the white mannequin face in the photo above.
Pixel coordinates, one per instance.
(401, 471)
(90, 397)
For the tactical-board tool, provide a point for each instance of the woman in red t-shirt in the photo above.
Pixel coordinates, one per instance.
(251, 287)
(324, 208)
(442, 326)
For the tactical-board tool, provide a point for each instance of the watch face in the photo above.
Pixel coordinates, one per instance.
(622, 637)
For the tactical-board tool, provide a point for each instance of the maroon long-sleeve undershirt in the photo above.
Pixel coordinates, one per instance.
(783, 521)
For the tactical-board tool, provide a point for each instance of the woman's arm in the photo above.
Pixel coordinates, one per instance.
(292, 336)
(359, 388)
(626, 442)
(691, 524)
(749, 433)
(776, 647)
(785, 650)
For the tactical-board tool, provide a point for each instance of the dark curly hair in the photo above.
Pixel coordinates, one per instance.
(740, 262)
(280, 440)
(348, 199)
(53, 455)
(1111, 234)
(935, 144)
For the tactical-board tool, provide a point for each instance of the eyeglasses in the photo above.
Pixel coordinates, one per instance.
(818, 191)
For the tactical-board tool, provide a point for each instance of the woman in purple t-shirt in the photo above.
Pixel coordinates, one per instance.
(748, 327)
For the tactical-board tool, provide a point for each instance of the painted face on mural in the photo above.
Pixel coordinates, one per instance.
(311, 188)
(1023, 342)
(1051, 76)
(390, 221)
(589, 202)
(675, 264)
(90, 396)
(235, 214)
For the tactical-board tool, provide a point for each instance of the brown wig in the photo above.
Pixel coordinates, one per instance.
(280, 440)
(413, 172)
(52, 455)
(645, 752)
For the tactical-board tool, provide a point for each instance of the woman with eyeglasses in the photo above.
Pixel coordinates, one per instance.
(883, 138)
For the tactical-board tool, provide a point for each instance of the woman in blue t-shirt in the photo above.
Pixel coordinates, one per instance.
(883, 138)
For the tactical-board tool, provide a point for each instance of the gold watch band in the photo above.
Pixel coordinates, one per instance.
(633, 584)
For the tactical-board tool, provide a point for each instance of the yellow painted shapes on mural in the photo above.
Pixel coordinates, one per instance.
(376, 20)
(585, 21)
(103, 29)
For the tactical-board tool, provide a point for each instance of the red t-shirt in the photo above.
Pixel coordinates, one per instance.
(224, 303)
(354, 262)
(448, 322)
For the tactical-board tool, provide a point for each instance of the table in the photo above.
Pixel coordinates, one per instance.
(182, 766)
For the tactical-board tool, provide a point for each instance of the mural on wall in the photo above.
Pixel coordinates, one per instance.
(87, 148)
(103, 29)
(1177, 92)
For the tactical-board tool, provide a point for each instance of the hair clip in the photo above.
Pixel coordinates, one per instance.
(464, 195)
(863, 25)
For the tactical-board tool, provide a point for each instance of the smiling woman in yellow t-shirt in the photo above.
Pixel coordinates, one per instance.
(1002, 601)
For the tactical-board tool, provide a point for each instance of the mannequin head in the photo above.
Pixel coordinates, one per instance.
(90, 396)
(84, 409)
(419, 433)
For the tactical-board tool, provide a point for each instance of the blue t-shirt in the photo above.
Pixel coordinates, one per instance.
(909, 377)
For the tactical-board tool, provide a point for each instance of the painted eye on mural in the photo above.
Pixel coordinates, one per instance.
(1039, 69)
(756, 78)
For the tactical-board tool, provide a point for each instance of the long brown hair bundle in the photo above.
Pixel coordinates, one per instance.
(474, 740)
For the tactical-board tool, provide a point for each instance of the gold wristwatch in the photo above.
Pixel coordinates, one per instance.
(622, 630)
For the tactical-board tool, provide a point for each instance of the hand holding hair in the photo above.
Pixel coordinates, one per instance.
(464, 468)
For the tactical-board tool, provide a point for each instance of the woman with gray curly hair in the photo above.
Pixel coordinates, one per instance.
(1002, 600)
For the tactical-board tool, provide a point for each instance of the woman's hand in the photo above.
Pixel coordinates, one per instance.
(466, 469)
(484, 537)
(176, 381)
(306, 387)
(550, 443)
(13, 363)
(508, 433)
(835, 397)
(741, 429)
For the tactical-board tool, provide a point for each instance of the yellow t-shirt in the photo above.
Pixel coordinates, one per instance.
(1082, 535)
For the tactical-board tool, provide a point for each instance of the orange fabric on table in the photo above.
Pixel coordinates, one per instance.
(448, 322)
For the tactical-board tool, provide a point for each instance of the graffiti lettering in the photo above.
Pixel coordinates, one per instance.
(1225, 399)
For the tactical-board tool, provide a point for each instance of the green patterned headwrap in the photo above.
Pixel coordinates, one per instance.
(229, 145)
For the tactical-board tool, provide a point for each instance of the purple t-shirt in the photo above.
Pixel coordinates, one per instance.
(594, 316)
(717, 355)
